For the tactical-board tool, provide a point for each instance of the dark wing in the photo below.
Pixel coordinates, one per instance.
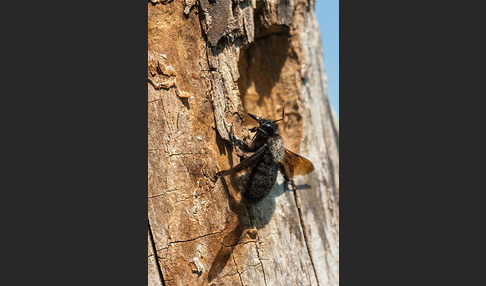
(247, 163)
(295, 164)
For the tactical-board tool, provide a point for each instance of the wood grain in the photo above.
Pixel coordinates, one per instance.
(208, 64)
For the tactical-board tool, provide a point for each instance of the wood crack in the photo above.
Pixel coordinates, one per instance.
(306, 239)
(185, 154)
(163, 194)
(191, 239)
(155, 100)
(154, 251)
(238, 272)
(261, 263)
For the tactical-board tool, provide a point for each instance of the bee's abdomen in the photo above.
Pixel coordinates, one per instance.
(260, 182)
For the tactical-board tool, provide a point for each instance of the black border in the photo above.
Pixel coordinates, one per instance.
(76, 130)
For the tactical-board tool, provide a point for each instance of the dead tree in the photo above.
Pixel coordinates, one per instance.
(209, 63)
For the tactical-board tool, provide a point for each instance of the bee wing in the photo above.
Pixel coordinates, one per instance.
(247, 163)
(295, 164)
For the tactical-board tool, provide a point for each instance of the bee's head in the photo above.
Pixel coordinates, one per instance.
(266, 127)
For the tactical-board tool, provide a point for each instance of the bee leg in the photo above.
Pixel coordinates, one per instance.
(238, 143)
(282, 169)
(234, 140)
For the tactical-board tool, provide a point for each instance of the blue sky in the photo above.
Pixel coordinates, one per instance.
(327, 13)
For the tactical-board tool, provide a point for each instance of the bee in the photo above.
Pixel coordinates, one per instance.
(257, 173)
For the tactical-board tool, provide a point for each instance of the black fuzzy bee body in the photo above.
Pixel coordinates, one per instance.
(257, 174)
(262, 177)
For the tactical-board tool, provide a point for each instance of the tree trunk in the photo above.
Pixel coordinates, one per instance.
(209, 63)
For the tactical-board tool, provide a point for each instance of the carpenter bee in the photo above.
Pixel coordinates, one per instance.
(257, 174)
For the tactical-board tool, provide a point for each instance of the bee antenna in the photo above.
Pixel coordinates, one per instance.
(283, 109)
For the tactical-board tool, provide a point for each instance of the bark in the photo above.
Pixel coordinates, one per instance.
(209, 63)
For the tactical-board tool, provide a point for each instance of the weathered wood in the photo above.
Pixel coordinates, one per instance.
(208, 64)
(154, 278)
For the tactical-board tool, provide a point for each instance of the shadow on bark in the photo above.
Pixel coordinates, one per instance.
(251, 216)
(260, 67)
